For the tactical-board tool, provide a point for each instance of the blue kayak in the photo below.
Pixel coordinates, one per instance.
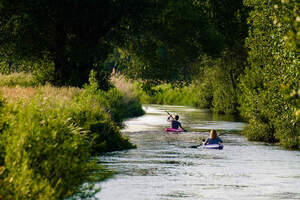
(213, 146)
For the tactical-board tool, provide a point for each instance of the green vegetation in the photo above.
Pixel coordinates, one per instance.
(64, 40)
(259, 81)
(17, 79)
(272, 77)
(212, 91)
(49, 136)
(165, 94)
(213, 75)
(46, 155)
(232, 56)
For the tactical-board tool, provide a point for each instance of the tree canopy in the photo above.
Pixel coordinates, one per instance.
(160, 37)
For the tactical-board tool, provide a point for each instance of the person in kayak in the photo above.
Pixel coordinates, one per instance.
(213, 138)
(175, 124)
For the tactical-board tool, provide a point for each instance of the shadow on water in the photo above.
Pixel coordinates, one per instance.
(164, 167)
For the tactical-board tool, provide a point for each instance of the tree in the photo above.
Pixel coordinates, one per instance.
(73, 34)
(271, 77)
(230, 20)
(160, 38)
(172, 42)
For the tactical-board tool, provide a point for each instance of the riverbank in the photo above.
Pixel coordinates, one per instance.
(48, 135)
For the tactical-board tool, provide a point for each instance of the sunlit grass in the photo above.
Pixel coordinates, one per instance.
(62, 94)
(127, 87)
(18, 93)
(17, 80)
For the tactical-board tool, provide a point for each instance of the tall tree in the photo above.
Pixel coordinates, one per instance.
(222, 77)
(73, 34)
(172, 42)
(272, 77)
(160, 38)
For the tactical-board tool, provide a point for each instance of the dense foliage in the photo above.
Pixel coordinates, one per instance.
(46, 155)
(272, 75)
(214, 75)
(71, 36)
(166, 94)
(47, 139)
(17, 79)
(256, 75)
(182, 32)
(66, 39)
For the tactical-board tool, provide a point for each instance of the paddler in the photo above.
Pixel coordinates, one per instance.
(175, 124)
(213, 138)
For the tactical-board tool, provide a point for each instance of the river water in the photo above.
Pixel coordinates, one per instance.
(164, 167)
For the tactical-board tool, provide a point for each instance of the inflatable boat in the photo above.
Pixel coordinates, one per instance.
(213, 146)
(173, 130)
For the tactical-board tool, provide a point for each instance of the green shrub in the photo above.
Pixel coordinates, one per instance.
(224, 99)
(27, 73)
(46, 142)
(47, 146)
(121, 107)
(221, 94)
(2, 127)
(166, 94)
(271, 77)
(204, 94)
(88, 111)
(17, 79)
(117, 104)
(214, 91)
(43, 72)
(100, 112)
(8, 65)
(259, 131)
(1, 101)
(46, 154)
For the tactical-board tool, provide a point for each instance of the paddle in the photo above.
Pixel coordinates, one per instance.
(169, 114)
(196, 146)
(227, 131)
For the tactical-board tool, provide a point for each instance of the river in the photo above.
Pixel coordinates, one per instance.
(164, 167)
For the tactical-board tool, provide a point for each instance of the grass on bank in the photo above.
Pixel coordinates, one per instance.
(48, 135)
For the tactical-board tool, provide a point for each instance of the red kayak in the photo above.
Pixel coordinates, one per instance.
(173, 130)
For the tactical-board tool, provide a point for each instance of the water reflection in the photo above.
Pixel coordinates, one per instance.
(164, 167)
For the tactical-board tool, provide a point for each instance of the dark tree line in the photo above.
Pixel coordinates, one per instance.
(76, 36)
(161, 37)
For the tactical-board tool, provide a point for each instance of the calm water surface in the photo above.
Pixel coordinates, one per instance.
(163, 167)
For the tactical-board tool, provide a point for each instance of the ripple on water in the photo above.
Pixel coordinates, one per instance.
(164, 168)
(286, 196)
(179, 194)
